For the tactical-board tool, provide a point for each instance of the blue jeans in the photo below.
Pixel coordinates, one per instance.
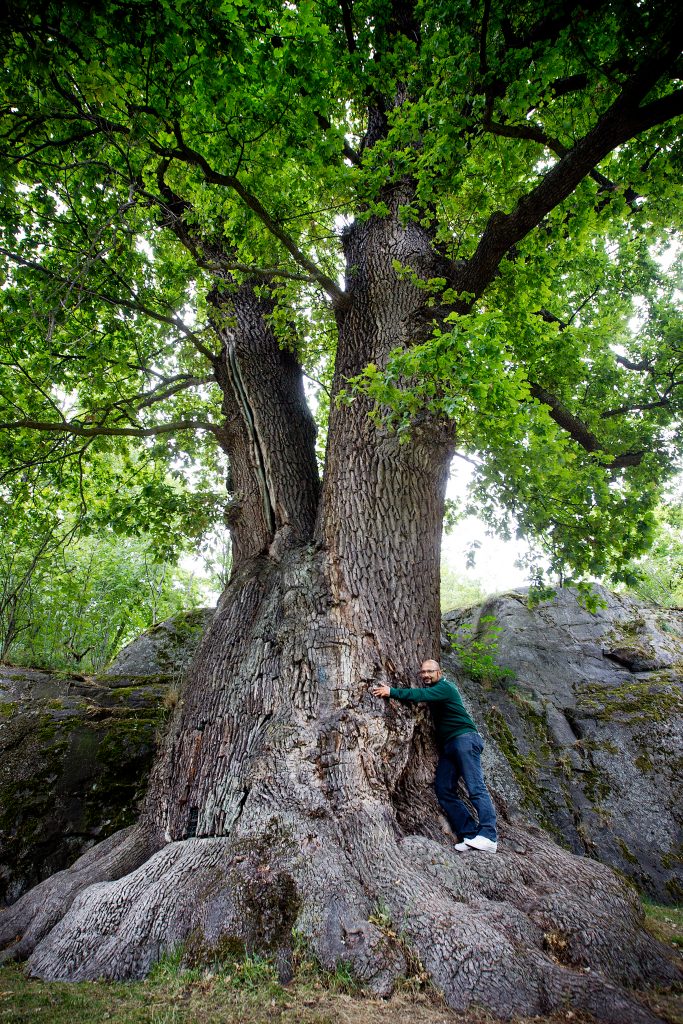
(462, 756)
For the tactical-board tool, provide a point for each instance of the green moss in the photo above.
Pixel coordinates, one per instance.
(629, 629)
(524, 766)
(132, 682)
(27, 797)
(124, 752)
(124, 693)
(672, 859)
(651, 700)
(595, 785)
(675, 888)
(7, 708)
(46, 729)
(228, 951)
(269, 902)
(79, 776)
(625, 852)
(149, 693)
(587, 743)
(643, 763)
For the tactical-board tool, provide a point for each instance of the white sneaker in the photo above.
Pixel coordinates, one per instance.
(462, 847)
(482, 843)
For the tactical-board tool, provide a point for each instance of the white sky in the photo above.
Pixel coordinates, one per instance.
(494, 567)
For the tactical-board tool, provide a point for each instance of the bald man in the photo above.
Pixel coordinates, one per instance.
(460, 747)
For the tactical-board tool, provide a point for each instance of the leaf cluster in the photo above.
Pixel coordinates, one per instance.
(152, 156)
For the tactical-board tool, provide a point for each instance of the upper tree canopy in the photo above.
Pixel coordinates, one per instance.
(157, 155)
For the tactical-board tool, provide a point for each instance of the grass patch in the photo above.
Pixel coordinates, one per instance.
(232, 994)
(665, 923)
(230, 991)
(245, 990)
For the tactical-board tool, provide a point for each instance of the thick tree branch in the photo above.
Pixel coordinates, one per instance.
(578, 430)
(483, 61)
(641, 366)
(658, 112)
(347, 19)
(548, 27)
(622, 410)
(534, 133)
(620, 122)
(565, 86)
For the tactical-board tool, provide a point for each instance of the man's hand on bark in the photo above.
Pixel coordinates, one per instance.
(380, 691)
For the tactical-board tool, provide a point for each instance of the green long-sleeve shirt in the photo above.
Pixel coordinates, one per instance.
(445, 704)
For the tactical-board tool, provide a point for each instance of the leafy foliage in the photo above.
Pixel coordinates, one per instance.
(152, 157)
(658, 576)
(81, 575)
(458, 591)
(77, 603)
(476, 648)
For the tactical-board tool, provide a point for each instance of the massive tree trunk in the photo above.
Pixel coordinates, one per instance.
(286, 796)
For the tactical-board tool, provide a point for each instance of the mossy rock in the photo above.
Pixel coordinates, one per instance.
(74, 765)
(165, 649)
(585, 739)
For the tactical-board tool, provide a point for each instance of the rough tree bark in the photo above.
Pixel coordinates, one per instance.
(286, 797)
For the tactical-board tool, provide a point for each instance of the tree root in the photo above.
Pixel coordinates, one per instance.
(530, 930)
(30, 919)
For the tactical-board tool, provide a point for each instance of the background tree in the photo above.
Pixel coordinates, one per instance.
(458, 591)
(85, 566)
(658, 575)
(183, 192)
(75, 606)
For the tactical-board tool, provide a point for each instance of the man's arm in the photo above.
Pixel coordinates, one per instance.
(414, 694)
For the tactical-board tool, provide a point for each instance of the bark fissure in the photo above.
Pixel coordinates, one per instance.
(241, 394)
(268, 432)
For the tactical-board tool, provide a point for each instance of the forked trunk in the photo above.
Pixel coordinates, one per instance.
(284, 792)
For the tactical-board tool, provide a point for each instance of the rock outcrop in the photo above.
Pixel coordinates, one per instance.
(586, 732)
(166, 649)
(76, 751)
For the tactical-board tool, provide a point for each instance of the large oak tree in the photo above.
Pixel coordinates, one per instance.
(452, 215)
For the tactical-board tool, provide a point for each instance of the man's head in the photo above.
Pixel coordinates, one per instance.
(430, 672)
